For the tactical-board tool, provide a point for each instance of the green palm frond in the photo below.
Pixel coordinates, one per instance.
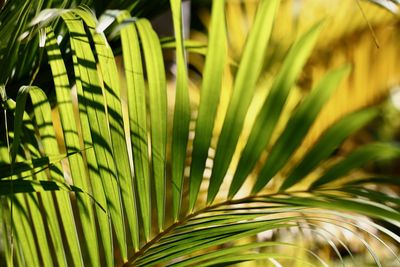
(95, 176)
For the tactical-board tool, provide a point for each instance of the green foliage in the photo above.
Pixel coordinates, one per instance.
(79, 174)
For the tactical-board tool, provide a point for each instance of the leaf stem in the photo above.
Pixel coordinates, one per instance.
(168, 230)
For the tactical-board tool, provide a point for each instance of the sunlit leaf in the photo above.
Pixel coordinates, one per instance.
(180, 131)
(327, 143)
(210, 94)
(158, 112)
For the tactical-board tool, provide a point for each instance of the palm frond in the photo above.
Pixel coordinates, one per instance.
(92, 180)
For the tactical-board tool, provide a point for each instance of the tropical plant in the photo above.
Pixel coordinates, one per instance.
(95, 175)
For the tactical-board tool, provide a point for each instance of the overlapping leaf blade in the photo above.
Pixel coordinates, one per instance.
(271, 110)
(180, 131)
(158, 112)
(231, 252)
(72, 143)
(137, 116)
(210, 94)
(31, 186)
(328, 202)
(298, 126)
(94, 124)
(42, 109)
(24, 167)
(327, 143)
(32, 202)
(362, 155)
(24, 232)
(111, 89)
(246, 78)
(209, 237)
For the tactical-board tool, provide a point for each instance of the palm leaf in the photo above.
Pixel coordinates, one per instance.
(210, 94)
(298, 125)
(64, 100)
(271, 110)
(99, 132)
(137, 117)
(158, 112)
(180, 132)
(248, 72)
(94, 122)
(328, 142)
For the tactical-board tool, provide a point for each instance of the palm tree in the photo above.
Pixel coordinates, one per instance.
(95, 175)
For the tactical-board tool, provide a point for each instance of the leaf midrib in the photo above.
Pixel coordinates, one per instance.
(142, 251)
